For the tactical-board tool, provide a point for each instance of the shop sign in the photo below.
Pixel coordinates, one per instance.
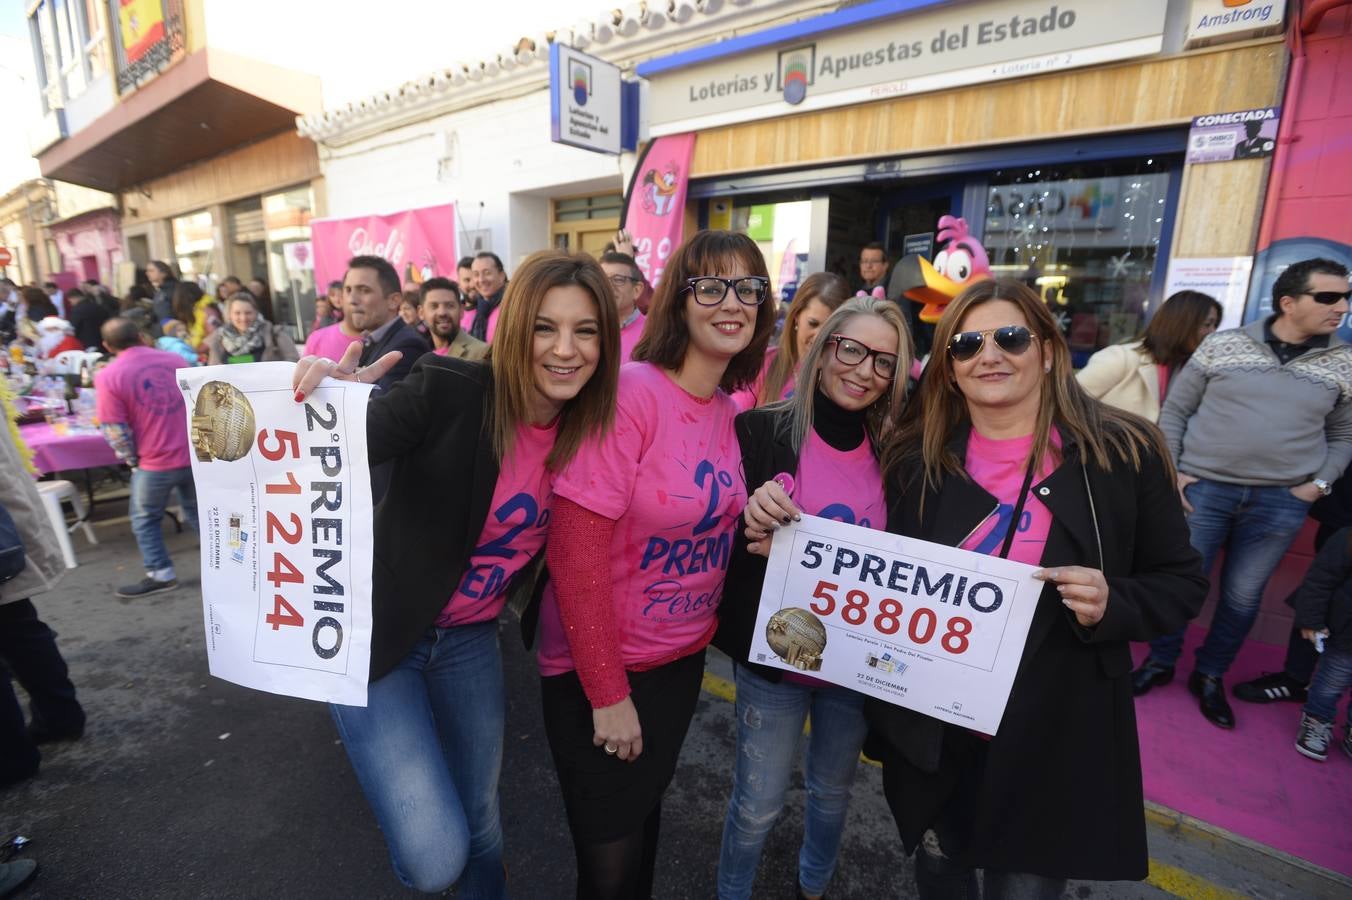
(918, 244)
(1218, 21)
(584, 100)
(969, 43)
(1246, 134)
(1226, 278)
(5, 256)
(300, 256)
(1076, 204)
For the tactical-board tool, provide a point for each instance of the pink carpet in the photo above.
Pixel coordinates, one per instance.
(1250, 780)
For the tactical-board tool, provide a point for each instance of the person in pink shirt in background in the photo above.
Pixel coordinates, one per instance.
(627, 279)
(816, 452)
(818, 296)
(140, 410)
(640, 536)
(332, 341)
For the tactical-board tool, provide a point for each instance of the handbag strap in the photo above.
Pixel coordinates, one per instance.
(1018, 512)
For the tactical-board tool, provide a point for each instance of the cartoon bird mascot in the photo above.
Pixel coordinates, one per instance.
(961, 262)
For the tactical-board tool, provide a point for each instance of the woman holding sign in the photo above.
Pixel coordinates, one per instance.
(644, 522)
(1007, 455)
(474, 447)
(816, 452)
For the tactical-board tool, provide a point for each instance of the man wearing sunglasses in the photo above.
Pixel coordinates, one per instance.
(1259, 424)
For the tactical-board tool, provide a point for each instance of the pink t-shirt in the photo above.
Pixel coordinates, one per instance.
(844, 485)
(513, 533)
(629, 336)
(999, 466)
(667, 473)
(139, 389)
(329, 342)
(467, 319)
(748, 397)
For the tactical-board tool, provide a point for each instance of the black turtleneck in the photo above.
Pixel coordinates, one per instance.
(840, 428)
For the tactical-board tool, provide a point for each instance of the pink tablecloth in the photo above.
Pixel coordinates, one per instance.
(58, 453)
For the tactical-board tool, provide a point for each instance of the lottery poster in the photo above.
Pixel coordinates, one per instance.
(932, 628)
(284, 501)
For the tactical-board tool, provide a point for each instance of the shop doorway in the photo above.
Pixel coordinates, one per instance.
(585, 224)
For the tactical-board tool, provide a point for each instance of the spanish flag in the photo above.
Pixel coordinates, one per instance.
(142, 24)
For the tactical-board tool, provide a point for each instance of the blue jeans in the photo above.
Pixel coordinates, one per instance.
(427, 749)
(1255, 526)
(1332, 678)
(149, 496)
(769, 730)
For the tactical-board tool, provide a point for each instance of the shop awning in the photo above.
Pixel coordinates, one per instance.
(210, 102)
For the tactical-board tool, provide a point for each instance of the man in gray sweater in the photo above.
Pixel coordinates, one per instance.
(1259, 424)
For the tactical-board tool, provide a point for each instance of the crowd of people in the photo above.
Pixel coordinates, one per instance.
(634, 420)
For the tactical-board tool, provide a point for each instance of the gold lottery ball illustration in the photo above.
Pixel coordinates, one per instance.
(797, 637)
(222, 423)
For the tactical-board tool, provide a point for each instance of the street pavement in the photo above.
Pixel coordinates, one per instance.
(187, 786)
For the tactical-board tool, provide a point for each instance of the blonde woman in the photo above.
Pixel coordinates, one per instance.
(818, 296)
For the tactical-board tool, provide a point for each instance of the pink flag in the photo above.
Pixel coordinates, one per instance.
(655, 211)
(419, 243)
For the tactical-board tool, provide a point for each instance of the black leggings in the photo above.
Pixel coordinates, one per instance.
(621, 869)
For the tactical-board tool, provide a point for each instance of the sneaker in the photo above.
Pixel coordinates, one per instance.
(147, 586)
(1313, 739)
(15, 874)
(1271, 688)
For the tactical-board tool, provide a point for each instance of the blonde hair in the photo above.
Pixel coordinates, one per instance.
(884, 412)
(828, 289)
(1099, 432)
(512, 354)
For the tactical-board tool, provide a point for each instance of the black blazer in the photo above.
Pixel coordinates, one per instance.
(1060, 792)
(400, 337)
(432, 429)
(765, 453)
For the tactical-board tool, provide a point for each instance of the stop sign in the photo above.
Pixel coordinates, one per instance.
(5, 256)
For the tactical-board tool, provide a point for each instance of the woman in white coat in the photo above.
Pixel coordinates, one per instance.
(1135, 376)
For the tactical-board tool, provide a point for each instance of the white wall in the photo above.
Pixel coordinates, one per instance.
(502, 159)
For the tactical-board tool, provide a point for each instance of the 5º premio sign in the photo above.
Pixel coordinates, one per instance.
(929, 627)
(284, 500)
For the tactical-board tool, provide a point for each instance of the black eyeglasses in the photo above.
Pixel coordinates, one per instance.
(1328, 298)
(852, 353)
(621, 280)
(709, 290)
(1012, 339)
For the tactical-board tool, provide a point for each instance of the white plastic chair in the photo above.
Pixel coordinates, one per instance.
(53, 493)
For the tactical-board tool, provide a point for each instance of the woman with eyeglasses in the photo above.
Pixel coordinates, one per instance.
(1007, 455)
(816, 452)
(817, 297)
(642, 528)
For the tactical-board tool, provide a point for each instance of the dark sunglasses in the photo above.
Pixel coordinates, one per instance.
(709, 290)
(1328, 298)
(852, 353)
(1012, 339)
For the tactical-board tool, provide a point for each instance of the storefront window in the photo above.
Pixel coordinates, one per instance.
(291, 272)
(782, 231)
(1086, 238)
(195, 248)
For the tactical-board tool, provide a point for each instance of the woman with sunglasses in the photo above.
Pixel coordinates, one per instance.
(641, 533)
(427, 747)
(818, 296)
(816, 452)
(1007, 455)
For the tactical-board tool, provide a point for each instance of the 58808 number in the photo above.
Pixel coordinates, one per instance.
(888, 617)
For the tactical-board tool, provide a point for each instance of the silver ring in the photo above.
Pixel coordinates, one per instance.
(611, 749)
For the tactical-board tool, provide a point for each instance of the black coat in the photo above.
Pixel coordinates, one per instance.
(432, 429)
(1060, 792)
(400, 337)
(765, 453)
(87, 318)
(1324, 599)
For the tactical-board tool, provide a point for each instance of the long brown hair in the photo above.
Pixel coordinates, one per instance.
(1099, 432)
(828, 289)
(1171, 337)
(513, 352)
(665, 334)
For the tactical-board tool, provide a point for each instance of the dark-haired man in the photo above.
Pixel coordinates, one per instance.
(626, 281)
(492, 283)
(1259, 425)
(441, 312)
(469, 288)
(140, 410)
(371, 298)
(872, 266)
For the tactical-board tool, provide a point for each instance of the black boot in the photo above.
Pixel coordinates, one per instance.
(1209, 690)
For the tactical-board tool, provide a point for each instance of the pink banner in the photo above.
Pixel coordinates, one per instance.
(655, 212)
(419, 243)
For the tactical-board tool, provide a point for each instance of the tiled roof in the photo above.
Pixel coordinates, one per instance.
(625, 37)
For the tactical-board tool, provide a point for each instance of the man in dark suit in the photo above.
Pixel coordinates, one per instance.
(371, 296)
